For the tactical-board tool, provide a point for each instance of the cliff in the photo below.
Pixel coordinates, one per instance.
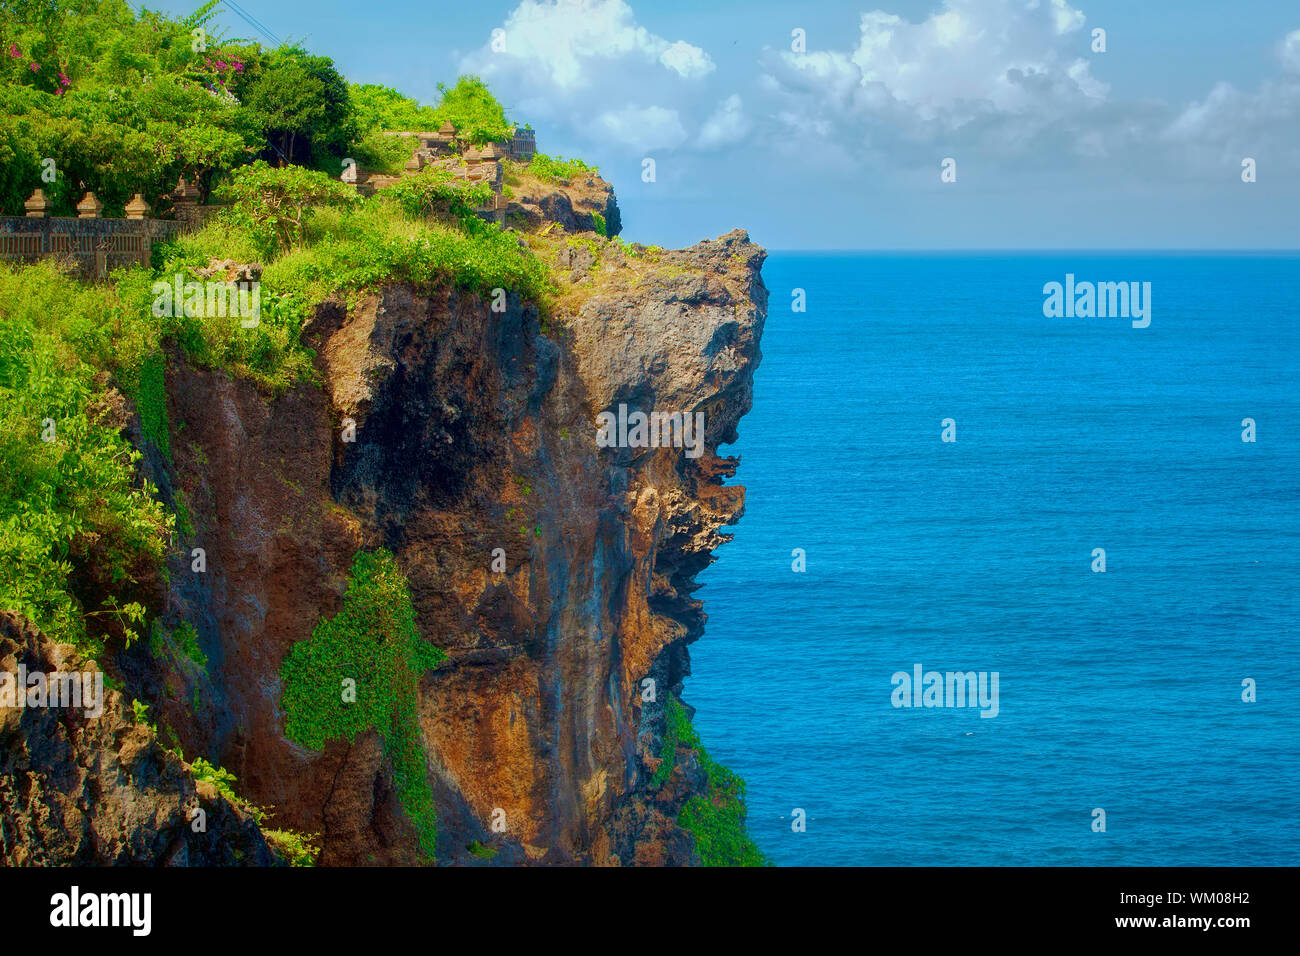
(555, 574)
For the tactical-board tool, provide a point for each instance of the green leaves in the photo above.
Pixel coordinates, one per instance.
(274, 203)
(716, 819)
(470, 107)
(383, 108)
(361, 670)
(69, 497)
(436, 192)
(555, 168)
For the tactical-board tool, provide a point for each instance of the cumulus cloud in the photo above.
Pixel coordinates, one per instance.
(970, 58)
(568, 44)
(686, 60)
(1010, 81)
(1010, 84)
(587, 70)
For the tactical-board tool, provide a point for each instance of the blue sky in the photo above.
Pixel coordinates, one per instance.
(840, 146)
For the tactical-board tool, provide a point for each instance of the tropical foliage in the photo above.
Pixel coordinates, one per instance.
(360, 671)
(716, 818)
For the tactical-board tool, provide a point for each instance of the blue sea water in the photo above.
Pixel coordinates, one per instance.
(1119, 690)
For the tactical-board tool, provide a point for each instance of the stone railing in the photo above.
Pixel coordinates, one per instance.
(96, 245)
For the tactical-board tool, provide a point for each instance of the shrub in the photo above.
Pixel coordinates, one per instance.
(470, 107)
(716, 818)
(555, 168)
(187, 642)
(150, 396)
(383, 154)
(274, 203)
(383, 108)
(296, 849)
(435, 191)
(222, 781)
(371, 649)
(69, 496)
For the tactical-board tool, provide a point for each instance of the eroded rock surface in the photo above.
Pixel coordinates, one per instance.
(101, 790)
(442, 431)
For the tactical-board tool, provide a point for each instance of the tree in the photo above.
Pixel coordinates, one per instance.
(474, 111)
(276, 203)
(302, 103)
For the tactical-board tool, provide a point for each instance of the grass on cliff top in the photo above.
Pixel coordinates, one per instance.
(618, 268)
(553, 169)
(361, 670)
(377, 241)
(716, 819)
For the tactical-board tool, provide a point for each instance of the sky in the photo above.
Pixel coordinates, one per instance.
(841, 143)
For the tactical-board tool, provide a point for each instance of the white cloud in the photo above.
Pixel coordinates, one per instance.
(1010, 83)
(584, 72)
(1005, 76)
(688, 61)
(727, 125)
(971, 56)
(567, 44)
(648, 127)
(1065, 17)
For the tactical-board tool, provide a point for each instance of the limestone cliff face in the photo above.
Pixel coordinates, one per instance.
(443, 431)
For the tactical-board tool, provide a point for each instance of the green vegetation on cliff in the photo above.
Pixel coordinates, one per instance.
(716, 818)
(81, 534)
(360, 670)
(554, 168)
(420, 231)
(78, 529)
(96, 97)
(124, 103)
(469, 106)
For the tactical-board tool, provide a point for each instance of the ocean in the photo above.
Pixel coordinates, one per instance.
(1120, 691)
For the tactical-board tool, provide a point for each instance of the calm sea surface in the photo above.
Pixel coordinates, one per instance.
(1119, 690)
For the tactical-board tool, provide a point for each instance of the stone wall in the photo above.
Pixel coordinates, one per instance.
(96, 246)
